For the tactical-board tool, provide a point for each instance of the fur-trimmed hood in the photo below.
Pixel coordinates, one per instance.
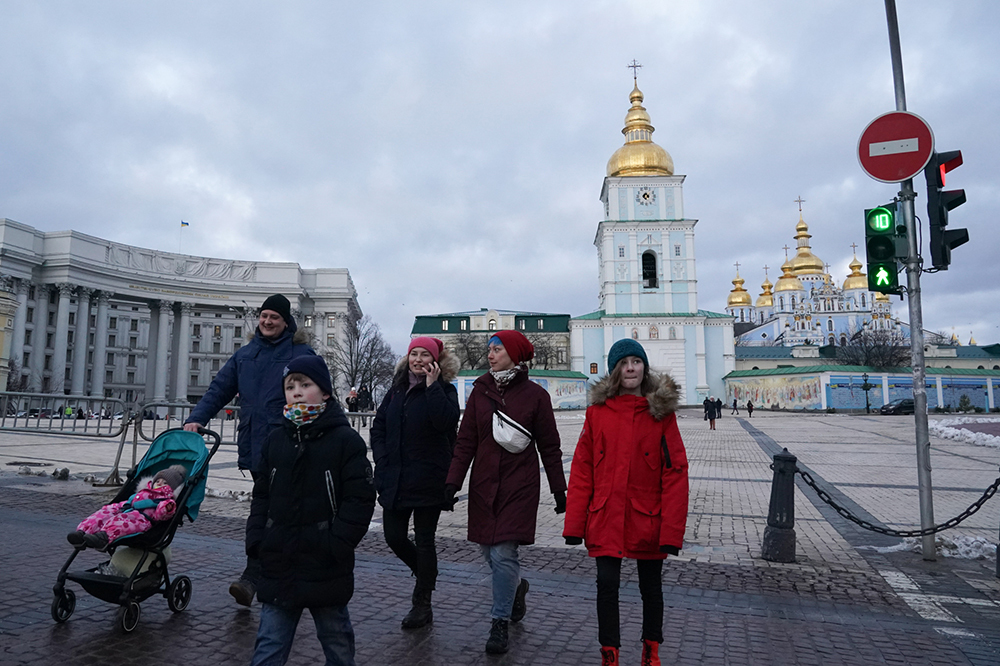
(299, 337)
(449, 363)
(662, 401)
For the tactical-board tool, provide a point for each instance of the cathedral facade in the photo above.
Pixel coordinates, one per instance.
(806, 305)
(646, 271)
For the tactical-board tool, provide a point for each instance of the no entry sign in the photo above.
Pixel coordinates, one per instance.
(896, 146)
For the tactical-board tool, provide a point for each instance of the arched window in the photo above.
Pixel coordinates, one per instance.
(793, 302)
(755, 368)
(829, 325)
(781, 302)
(833, 340)
(843, 340)
(863, 302)
(981, 368)
(492, 326)
(672, 333)
(649, 280)
(593, 368)
(742, 315)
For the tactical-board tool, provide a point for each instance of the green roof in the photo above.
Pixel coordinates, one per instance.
(600, 314)
(565, 374)
(816, 369)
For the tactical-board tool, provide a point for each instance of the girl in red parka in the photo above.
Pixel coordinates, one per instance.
(628, 490)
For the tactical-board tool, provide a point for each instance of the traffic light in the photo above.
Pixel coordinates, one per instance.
(885, 247)
(939, 202)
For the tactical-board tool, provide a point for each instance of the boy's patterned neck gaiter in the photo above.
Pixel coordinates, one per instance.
(300, 413)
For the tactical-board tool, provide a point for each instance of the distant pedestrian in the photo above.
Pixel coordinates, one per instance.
(412, 438)
(365, 403)
(710, 410)
(630, 432)
(736, 408)
(718, 408)
(312, 504)
(749, 409)
(254, 373)
(505, 484)
(352, 405)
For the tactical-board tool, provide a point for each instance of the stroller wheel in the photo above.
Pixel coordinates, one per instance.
(179, 593)
(128, 616)
(63, 606)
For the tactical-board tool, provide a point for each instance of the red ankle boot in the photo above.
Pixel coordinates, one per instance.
(609, 656)
(650, 653)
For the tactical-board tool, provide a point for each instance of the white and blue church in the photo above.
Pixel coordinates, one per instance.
(648, 287)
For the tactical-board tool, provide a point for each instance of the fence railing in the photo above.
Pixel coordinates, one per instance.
(49, 413)
(153, 418)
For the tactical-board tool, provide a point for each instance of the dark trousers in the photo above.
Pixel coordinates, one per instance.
(420, 554)
(650, 587)
(252, 571)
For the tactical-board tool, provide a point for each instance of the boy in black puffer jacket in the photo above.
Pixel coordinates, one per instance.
(311, 507)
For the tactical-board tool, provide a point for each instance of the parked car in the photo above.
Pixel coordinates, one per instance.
(898, 406)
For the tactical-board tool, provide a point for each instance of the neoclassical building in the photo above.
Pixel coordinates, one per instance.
(94, 317)
(806, 306)
(648, 287)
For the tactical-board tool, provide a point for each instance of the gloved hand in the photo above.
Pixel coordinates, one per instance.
(450, 491)
(560, 502)
(573, 541)
(253, 551)
(670, 550)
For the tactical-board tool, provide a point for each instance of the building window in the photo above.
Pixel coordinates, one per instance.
(31, 292)
(90, 357)
(593, 368)
(444, 324)
(216, 347)
(194, 364)
(218, 315)
(53, 297)
(48, 363)
(113, 322)
(93, 320)
(196, 331)
(194, 380)
(195, 346)
(236, 345)
(829, 325)
(492, 325)
(238, 332)
(131, 360)
(523, 325)
(621, 251)
(215, 365)
(25, 359)
(48, 339)
(111, 341)
(331, 320)
(331, 340)
(463, 325)
(72, 319)
(307, 321)
(111, 358)
(133, 343)
(863, 303)
(52, 318)
(541, 324)
(217, 332)
(130, 378)
(109, 377)
(69, 337)
(27, 337)
(30, 316)
(677, 250)
(649, 280)
(133, 325)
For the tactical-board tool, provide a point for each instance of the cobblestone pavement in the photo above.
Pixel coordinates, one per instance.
(843, 601)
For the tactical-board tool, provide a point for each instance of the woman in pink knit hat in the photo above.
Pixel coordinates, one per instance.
(412, 438)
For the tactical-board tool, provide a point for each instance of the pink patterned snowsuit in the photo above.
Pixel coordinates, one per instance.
(135, 515)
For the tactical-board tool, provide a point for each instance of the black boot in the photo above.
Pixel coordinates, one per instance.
(497, 642)
(420, 614)
(520, 607)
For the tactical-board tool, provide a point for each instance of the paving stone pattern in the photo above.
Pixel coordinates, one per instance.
(840, 603)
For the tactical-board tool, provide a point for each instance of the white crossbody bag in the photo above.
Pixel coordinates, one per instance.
(508, 433)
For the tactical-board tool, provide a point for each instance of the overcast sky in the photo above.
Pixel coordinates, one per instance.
(451, 154)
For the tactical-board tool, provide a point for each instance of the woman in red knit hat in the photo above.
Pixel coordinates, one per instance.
(504, 488)
(412, 437)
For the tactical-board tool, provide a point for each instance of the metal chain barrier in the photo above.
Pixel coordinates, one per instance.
(825, 496)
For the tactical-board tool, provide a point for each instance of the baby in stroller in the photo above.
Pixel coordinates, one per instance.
(155, 502)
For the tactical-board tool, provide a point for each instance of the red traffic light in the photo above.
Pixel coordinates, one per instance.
(946, 162)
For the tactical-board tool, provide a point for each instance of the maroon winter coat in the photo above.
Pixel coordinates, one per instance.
(504, 488)
(628, 487)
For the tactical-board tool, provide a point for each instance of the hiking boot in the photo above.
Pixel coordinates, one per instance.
(97, 541)
(650, 653)
(420, 614)
(76, 537)
(497, 642)
(519, 609)
(609, 656)
(243, 591)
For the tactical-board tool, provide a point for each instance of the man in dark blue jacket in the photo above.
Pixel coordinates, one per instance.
(254, 372)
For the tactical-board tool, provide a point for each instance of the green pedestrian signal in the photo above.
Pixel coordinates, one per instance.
(885, 246)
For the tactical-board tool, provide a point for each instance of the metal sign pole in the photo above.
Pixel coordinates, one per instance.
(906, 196)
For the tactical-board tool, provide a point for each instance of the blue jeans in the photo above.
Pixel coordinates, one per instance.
(502, 558)
(277, 629)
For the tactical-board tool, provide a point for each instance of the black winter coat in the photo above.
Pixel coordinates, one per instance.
(412, 437)
(312, 504)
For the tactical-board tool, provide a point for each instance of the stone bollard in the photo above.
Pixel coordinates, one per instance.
(779, 535)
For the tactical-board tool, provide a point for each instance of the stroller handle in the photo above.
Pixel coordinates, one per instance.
(214, 435)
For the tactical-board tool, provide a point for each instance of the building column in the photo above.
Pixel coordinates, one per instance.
(78, 379)
(20, 319)
(38, 338)
(57, 383)
(162, 347)
(182, 360)
(100, 345)
(319, 328)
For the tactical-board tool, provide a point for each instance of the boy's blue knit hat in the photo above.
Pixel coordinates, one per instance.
(313, 367)
(623, 348)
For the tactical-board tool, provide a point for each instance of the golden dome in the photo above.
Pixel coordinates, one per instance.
(972, 339)
(857, 279)
(738, 296)
(882, 298)
(766, 299)
(639, 156)
(788, 281)
(805, 262)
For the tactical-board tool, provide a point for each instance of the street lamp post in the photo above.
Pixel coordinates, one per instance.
(866, 387)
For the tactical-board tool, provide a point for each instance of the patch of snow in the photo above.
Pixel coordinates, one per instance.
(961, 547)
(237, 495)
(944, 428)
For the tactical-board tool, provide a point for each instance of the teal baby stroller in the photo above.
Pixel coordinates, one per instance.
(146, 572)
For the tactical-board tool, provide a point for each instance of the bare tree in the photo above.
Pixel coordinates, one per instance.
(15, 380)
(546, 351)
(471, 349)
(876, 348)
(363, 357)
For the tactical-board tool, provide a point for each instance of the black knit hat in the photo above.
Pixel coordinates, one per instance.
(278, 303)
(173, 475)
(313, 367)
